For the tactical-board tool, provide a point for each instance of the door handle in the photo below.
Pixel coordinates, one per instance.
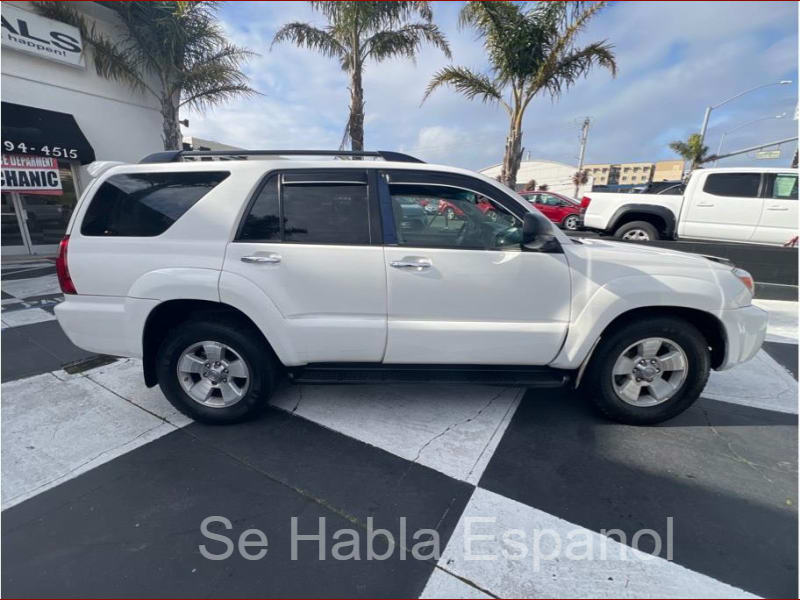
(410, 262)
(262, 259)
(705, 204)
(777, 208)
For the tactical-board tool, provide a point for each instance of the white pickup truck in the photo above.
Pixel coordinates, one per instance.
(754, 205)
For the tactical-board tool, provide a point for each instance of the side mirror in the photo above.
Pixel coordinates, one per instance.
(537, 234)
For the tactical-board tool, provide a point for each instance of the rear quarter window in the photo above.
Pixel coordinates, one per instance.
(146, 204)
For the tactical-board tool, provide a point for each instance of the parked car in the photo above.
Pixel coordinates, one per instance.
(221, 276)
(754, 205)
(563, 210)
(453, 211)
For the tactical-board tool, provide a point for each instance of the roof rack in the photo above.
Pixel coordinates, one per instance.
(178, 155)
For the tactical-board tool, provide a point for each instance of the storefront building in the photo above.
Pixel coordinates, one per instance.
(58, 116)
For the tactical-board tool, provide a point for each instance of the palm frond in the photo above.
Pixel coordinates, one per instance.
(313, 38)
(467, 83)
(111, 60)
(575, 65)
(406, 42)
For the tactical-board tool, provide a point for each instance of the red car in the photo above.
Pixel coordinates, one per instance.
(452, 211)
(564, 211)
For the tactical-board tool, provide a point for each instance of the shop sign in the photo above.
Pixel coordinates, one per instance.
(30, 174)
(40, 36)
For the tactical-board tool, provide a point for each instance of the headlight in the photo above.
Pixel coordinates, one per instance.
(745, 278)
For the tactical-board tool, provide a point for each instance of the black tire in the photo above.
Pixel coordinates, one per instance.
(598, 385)
(571, 219)
(646, 228)
(237, 335)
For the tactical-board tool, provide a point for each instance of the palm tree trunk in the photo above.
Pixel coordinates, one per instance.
(170, 126)
(356, 124)
(513, 154)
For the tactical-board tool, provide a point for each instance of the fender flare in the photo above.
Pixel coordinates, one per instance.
(669, 218)
(626, 294)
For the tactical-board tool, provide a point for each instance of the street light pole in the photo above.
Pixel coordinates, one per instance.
(584, 136)
(707, 115)
(724, 133)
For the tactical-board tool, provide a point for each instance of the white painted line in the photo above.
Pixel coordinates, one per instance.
(761, 383)
(453, 429)
(783, 320)
(443, 585)
(34, 286)
(124, 378)
(55, 429)
(556, 564)
(26, 316)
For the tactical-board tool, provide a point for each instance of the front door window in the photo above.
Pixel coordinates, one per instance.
(465, 220)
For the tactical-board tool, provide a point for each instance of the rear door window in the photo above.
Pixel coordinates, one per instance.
(736, 185)
(146, 204)
(310, 208)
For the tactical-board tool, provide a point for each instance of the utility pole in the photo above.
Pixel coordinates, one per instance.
(584, 136)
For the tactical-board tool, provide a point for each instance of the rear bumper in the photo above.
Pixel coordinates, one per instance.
(593, 222)
(105, 324)
(745, 330)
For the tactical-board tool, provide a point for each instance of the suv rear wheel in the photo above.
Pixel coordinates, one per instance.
(215, 371)
(648, 371)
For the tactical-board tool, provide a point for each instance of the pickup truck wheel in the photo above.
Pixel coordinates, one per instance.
(570, 222)
(215, 372)
(648, 371)
(637, 231)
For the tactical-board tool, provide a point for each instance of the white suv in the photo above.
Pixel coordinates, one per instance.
(222, 274)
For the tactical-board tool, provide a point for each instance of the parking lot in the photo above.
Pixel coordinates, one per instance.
(106, 486)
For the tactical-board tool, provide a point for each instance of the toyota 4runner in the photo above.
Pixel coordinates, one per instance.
(222, 275)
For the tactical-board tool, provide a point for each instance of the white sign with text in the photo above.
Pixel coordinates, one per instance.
(37, 35)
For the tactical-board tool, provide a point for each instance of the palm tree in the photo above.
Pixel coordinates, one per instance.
(692, 150)
(358, 32)
(175, 51)
(530, 50)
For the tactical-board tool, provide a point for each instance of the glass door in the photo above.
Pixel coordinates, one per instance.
(47, 216)
(11, 232)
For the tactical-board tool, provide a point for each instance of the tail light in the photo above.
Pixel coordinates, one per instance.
(62, 269)
(585, 201)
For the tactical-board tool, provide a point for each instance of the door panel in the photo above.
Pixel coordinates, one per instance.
(465, 292)
(723, 206)
(476, 307)
(778, 223)
(309, 243)
(332, 297)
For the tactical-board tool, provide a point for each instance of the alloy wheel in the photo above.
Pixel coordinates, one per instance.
(638, 235)
(213, 374)
(649, 372)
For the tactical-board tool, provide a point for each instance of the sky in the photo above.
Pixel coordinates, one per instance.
(673, 59)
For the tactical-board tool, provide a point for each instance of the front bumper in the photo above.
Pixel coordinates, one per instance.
(745, 330)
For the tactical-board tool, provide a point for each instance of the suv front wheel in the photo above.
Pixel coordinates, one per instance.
(648, 371)
(215, 371)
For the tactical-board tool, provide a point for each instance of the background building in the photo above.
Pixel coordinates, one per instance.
(555, 175)
(57, 110)
(605, 174)
(635, 173)
(191, 142)
(668, 170)
(628, 175)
